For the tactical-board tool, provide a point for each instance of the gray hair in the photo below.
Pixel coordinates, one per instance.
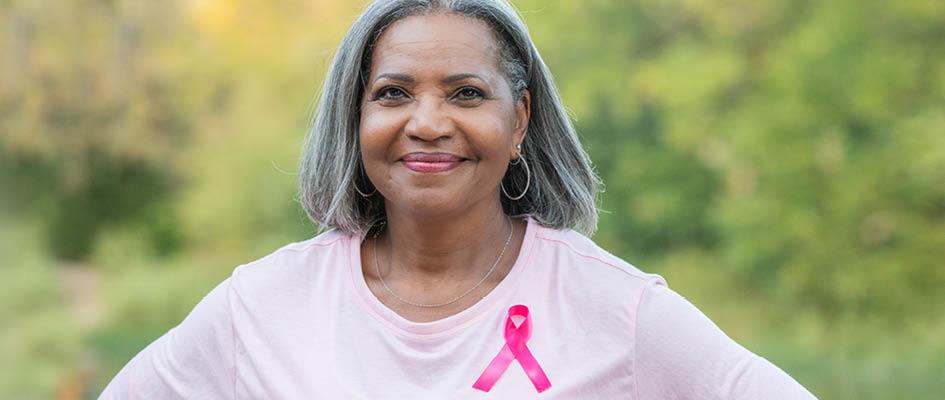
(563, 189)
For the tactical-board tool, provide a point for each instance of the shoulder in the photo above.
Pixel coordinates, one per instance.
(289, 255)
(575, 251)
(293, 268)
(584, 264)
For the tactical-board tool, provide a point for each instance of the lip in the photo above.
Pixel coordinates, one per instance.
(431, 162)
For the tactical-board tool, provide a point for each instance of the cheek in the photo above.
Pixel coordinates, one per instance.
(489, 133)
(377, 130)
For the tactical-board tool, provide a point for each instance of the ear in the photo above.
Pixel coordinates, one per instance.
(523, 111)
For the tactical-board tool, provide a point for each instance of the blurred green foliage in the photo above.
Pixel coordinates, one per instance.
(781, 163)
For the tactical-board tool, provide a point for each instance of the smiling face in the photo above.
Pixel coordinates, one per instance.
(439, 122)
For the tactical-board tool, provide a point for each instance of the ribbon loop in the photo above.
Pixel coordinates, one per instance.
(515, 348)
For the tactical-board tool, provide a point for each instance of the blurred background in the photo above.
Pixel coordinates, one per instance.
(781, 163)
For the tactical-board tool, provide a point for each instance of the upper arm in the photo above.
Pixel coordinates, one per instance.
(195, 359)
(682, 354)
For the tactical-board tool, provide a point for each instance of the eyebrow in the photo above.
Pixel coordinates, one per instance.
(395, 77)
(410, 79)
(460, 77)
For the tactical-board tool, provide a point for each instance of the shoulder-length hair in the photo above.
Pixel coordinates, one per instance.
(563, 186)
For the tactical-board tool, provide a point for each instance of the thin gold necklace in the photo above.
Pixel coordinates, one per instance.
(455, 299)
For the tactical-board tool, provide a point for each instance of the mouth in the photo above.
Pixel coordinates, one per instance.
(431, 162)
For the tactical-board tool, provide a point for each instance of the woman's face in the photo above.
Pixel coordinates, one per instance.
(439, 123)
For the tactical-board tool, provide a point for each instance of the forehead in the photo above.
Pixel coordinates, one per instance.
(436, 42)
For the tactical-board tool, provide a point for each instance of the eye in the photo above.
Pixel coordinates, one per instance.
(390, 93)
(468, 93)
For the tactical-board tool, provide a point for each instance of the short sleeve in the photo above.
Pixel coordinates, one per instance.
(194, 360)
(682, 354)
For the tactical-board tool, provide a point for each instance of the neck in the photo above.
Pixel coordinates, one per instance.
(443, 247)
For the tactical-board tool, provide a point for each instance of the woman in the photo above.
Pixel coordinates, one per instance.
(458, 266)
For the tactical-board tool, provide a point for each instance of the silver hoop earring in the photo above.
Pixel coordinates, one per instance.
(520, 154)
(355, 184)
(528, 178)
(365, 195)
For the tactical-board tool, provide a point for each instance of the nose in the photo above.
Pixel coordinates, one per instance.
(428, 121)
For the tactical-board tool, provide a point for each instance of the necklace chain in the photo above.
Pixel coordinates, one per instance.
(455, 299)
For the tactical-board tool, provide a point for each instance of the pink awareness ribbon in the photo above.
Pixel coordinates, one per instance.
(514, 348)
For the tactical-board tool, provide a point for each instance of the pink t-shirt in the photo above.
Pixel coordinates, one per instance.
(301, 323)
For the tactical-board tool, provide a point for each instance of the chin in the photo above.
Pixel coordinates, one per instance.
(427, 202)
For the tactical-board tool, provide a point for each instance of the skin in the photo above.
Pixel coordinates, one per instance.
(436, 86)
